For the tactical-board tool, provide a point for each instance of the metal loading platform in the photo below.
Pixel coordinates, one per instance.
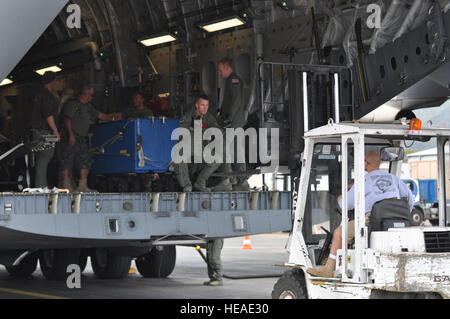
(87, 220)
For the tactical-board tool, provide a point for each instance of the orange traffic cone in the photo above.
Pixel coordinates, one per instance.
(132, 271)
(247, 243)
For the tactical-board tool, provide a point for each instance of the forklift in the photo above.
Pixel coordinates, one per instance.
(389, 258)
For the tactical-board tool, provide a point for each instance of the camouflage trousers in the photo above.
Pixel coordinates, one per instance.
(185, 171)
(77, 154)
(213, 252)
(235, 166)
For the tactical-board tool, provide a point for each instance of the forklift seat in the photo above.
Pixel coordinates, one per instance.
(389, 213)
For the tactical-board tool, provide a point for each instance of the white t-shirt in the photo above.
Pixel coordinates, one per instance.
(380, 185)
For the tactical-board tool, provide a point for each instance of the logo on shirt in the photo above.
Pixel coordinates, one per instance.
(384, 183)
(235, 81)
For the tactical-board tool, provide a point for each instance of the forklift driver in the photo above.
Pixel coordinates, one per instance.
(379, 185)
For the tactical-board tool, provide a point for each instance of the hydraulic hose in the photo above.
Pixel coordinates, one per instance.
(238, 277)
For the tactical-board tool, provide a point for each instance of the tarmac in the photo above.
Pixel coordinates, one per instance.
(185, 282)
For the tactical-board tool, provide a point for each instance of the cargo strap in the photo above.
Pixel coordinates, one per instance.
(100, 150)
(143, 159)
(139, 147)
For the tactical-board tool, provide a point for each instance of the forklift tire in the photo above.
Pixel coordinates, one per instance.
(417, 217)
(54, 262)
(291, 285)
(158, 263)
(107, 265)
(25, 268)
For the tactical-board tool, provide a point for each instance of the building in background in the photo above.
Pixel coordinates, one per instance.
(423, 165)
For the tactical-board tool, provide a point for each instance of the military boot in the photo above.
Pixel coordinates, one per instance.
(66, 184)
(83, 188)
(201, 187)
(205, 173)
(242, 187)
(325, 271)
(213, 283)
(224, 186)
(182, 175)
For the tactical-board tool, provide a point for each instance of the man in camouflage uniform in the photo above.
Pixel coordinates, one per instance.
(78, 115)
(66, 95)
(232, 111)
(213, 247)
(205, 169)
(138, 110)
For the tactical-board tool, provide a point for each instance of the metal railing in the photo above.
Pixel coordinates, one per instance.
(273, 91)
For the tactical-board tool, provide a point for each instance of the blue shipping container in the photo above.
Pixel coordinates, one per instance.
(428, 190)
(121, 156)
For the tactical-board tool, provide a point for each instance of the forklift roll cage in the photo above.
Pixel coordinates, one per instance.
(358, 135)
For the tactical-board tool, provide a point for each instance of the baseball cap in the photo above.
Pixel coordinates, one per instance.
(48, 77)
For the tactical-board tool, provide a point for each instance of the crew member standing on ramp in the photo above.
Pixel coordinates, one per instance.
(232, 114)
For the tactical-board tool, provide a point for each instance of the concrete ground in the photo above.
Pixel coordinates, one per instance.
(186, 281)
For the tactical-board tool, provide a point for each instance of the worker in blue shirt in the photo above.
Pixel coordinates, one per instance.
(379, 185)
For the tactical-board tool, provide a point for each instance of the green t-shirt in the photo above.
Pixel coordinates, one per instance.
(131, 112)
(81, 116)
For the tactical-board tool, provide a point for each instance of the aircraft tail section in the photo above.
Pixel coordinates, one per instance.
(21, 24)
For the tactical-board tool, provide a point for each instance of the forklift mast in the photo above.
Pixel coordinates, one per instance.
(345, 90)
(297, 98)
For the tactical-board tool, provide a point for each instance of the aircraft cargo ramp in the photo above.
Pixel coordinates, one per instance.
(39, 221)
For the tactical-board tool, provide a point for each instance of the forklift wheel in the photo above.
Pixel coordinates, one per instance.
(291, 285)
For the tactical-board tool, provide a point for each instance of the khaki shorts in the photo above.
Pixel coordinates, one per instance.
(351, 228)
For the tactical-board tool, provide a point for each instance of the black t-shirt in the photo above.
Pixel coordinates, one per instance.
(44, 105)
